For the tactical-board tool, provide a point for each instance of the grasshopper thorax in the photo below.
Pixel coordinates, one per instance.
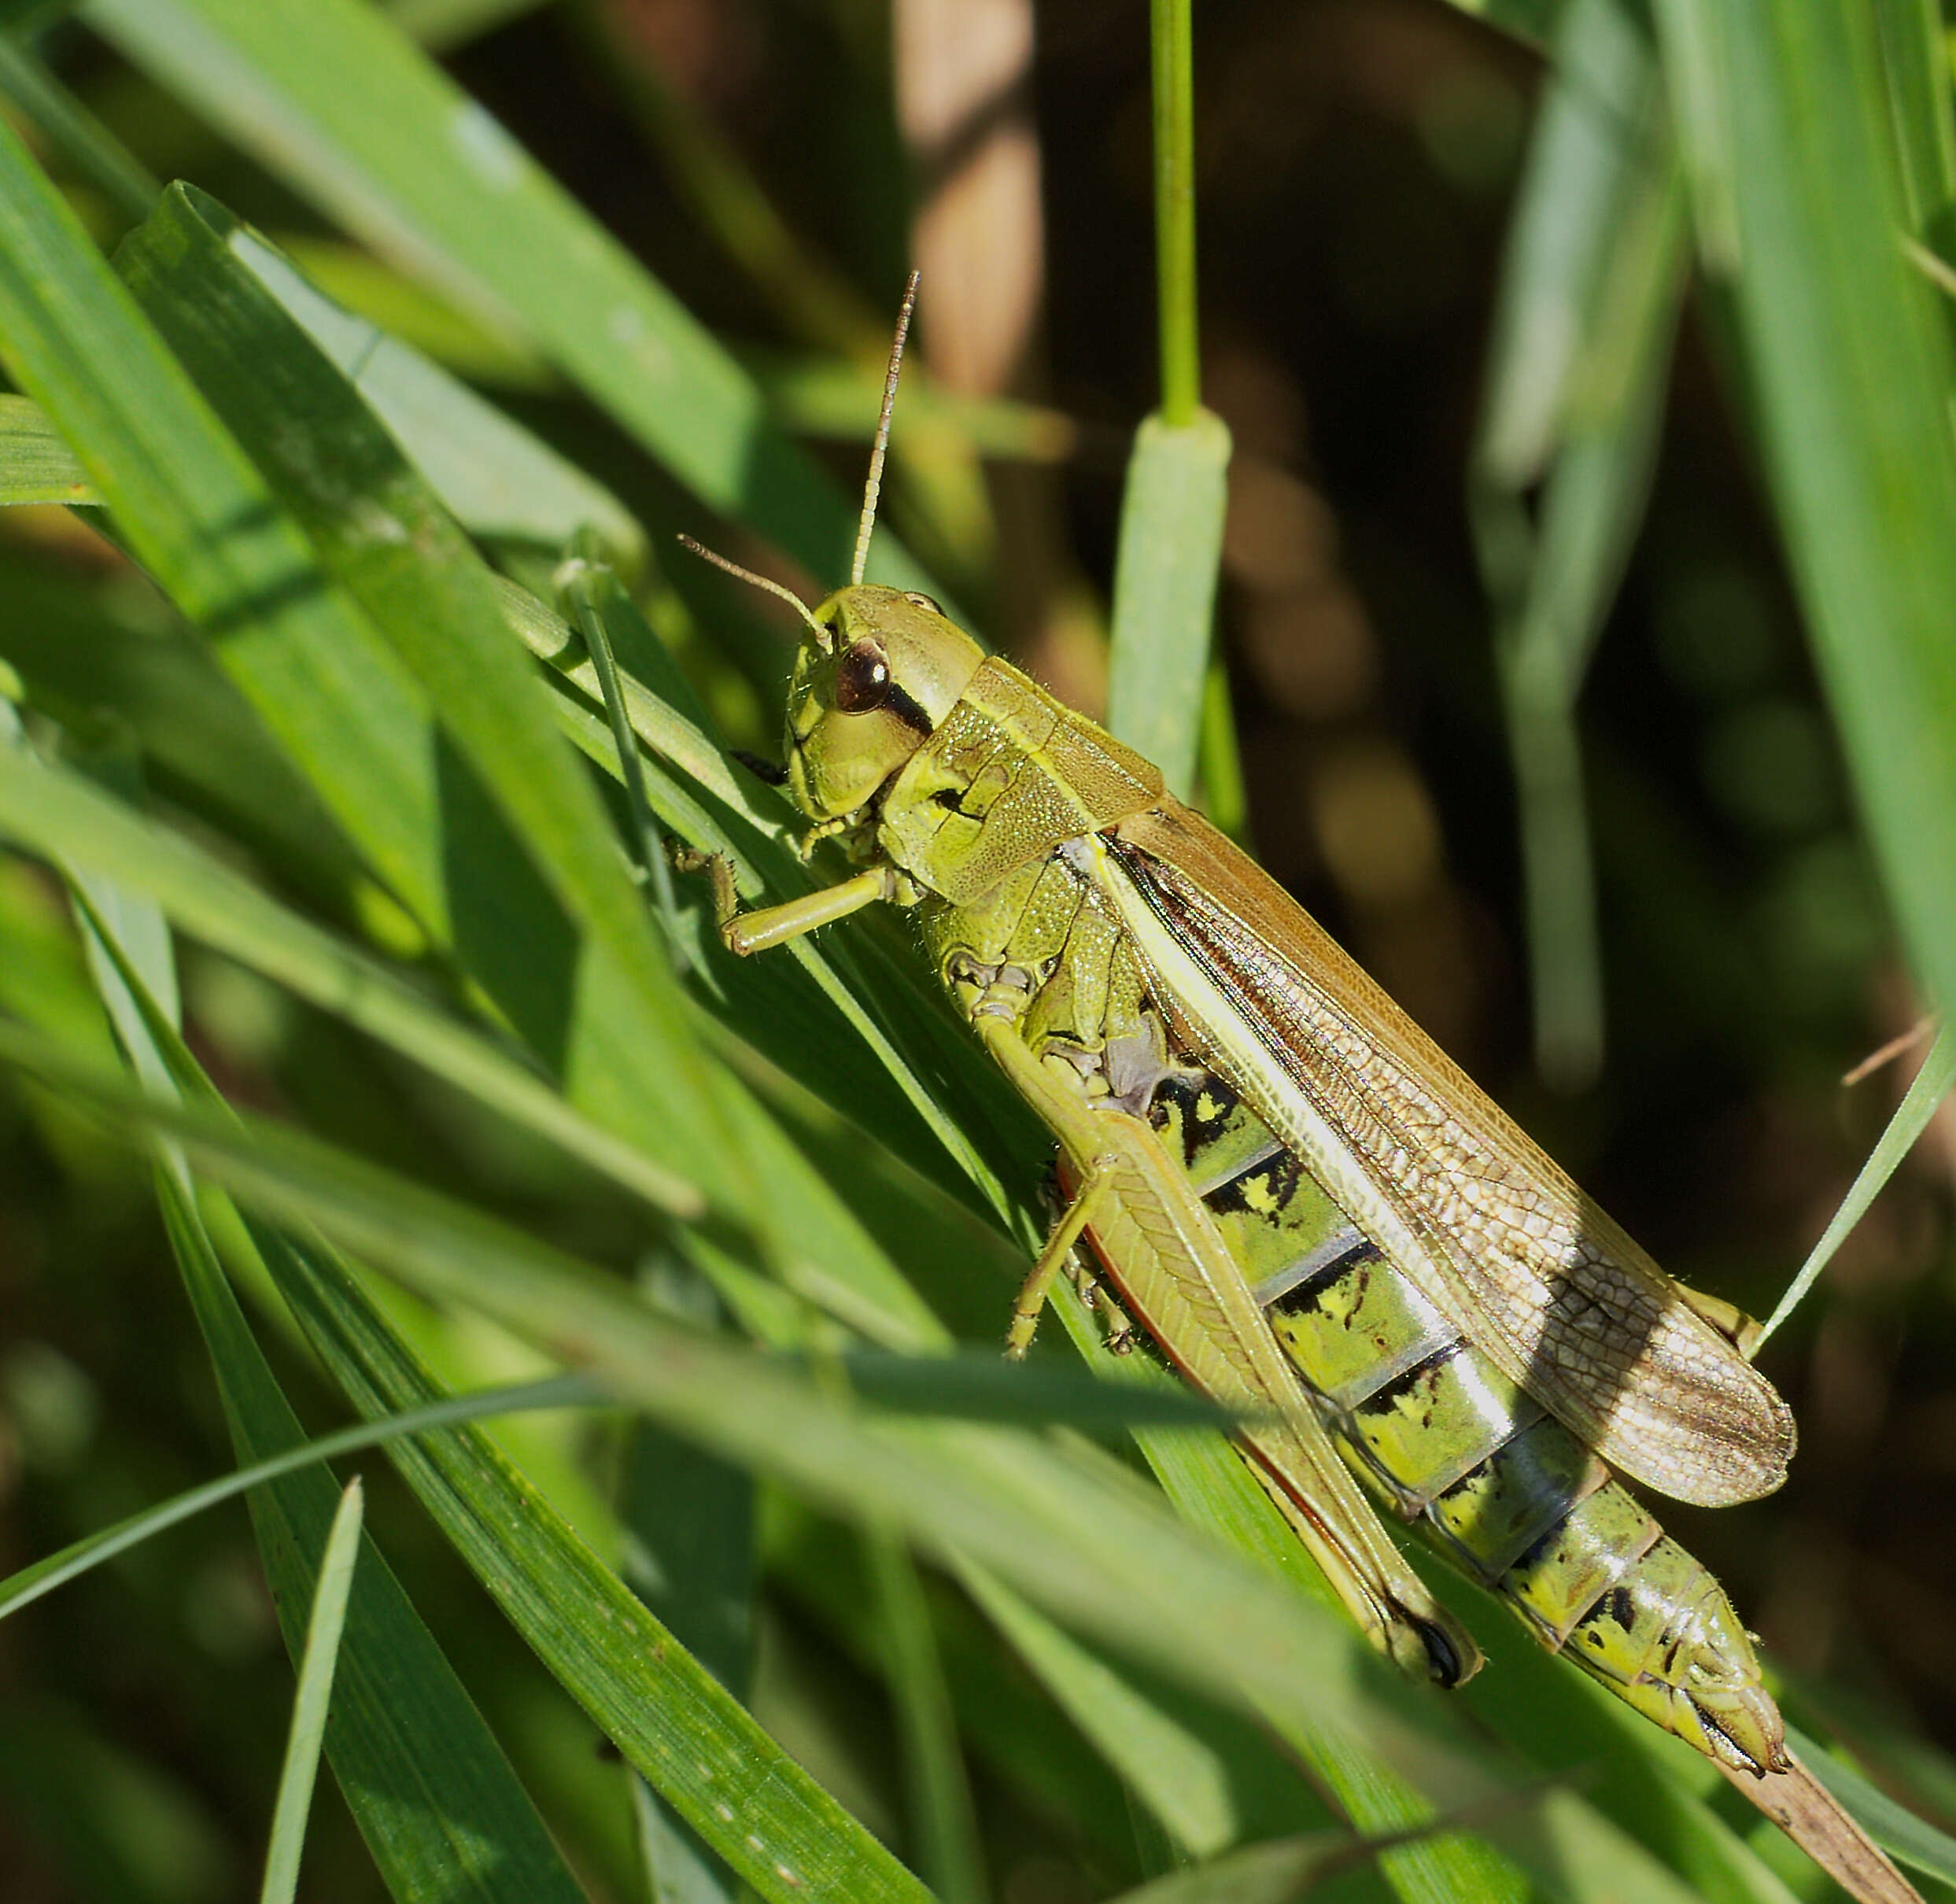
(877, 671)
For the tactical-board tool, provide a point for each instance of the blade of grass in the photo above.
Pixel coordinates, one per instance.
(438, 1805)
(1919, 1104)
(1171, 512)
(1849, 367)
(22, 1588)
(1177, 1774)
(301, 1769)
(53, 812)
(1588, 306)
(580, 588)
(81, 138)
(940, 1795)
(335, 100)
(498, 481)
(36, 465)
(381, 535)
(777, 1828)
(1072, 1531)
(1915, 63)
(197, 516)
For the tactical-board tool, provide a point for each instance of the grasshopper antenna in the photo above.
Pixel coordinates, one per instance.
(824, 640)
(872, 490)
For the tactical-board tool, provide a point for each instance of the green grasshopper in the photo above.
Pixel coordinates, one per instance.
(1316, 1216)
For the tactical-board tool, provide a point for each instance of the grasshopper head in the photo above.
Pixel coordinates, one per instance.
(865, 699)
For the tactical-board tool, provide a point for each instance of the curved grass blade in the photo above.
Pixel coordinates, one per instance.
(316, 1665)
(498, 481)
(30, 1583)
(440, 1808)
(380, 534)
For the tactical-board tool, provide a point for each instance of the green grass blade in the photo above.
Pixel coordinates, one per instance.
(500, 482)
(1850, 365)
(1165, 589)
(53, 812)
(197, 514)
(1575, 407)
(777, 1828)
(583, 586)
(358, 119)
(942, 1816)
(1907, 1839)
(440, 1809)
(1067, 1530)
(81, 138)
(43, 1576)
(1915, 63)
(383, 538)
(301, 1769)
(1923, 1097)
(1178, 1774)
(36, 465)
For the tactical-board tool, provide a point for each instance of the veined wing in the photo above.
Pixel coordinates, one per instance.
(1443, 1181)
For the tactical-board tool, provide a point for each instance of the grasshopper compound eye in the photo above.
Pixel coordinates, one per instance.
(862, 678)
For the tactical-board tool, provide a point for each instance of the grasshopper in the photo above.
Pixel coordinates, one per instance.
(1317, 1217)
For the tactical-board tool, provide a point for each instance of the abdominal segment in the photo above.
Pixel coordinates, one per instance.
(1448, 1441)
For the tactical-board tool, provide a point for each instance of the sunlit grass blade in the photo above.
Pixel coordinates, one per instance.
(1171, 512)
(316, 1666)
(676, 1725)
(50, 810)
(1849, 368)
(425, 1779)
(36, 465)
(1925, 1095)
(1164, 590)
(197, 514)
(401, 557)
(1915, 63)
(1067, 1530)
(337, 100)
(1181, 1777)
(43, 1576)
(500, 482)
(581, 583)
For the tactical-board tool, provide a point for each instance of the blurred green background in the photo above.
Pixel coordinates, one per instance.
(777, 164)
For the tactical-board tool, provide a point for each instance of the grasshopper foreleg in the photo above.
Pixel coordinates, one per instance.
(746, 933)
